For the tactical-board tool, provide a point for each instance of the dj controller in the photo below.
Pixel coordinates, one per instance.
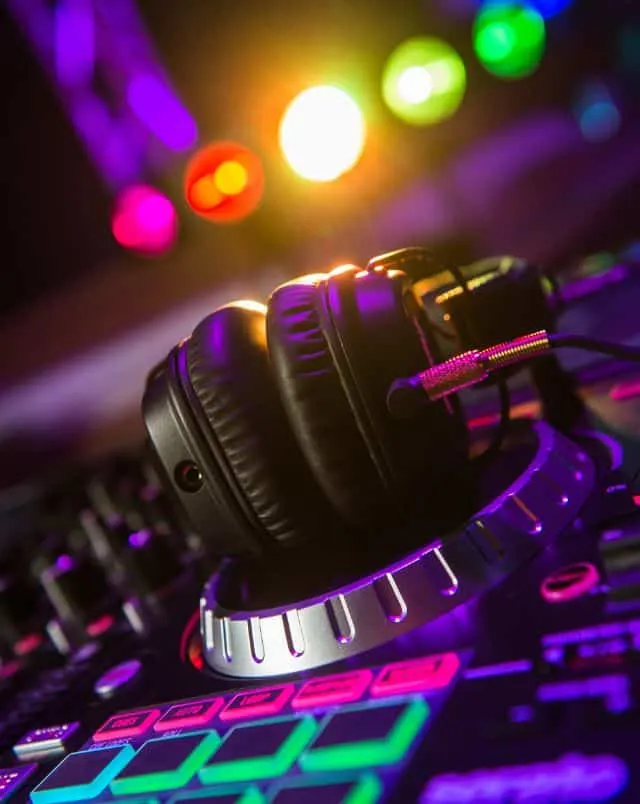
(497, 659)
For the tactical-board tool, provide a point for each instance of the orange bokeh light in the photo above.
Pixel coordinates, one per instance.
(224, 195)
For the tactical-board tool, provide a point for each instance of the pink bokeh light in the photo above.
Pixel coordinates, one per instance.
(144, 220)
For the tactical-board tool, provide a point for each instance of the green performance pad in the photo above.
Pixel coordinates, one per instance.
(365, 736)
(82, 776)
(365, 790)
(259, 750)
(249, 795)
(165, 764)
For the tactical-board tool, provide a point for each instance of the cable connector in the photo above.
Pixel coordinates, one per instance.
(462, 371)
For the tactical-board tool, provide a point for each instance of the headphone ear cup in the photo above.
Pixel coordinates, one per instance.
(319, 411)
(236, 403)
(337, 343)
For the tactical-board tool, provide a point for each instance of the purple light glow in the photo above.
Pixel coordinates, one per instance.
(162, 113)
(521, 714)
(64, 563)
(34, 19)
(144, 220)
(589, 285)
(120, 14)
(70, 37)
(74, 36)
(613, 689)
(139, 539)
(111, 151)
(503, 669)
(603, 631)
(614, 447)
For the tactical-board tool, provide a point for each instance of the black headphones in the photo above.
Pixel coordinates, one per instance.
(271, 424)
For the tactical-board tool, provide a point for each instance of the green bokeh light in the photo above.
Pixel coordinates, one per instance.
(423, 81)
(509, 39)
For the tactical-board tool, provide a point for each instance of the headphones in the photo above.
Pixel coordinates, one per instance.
(270, 423)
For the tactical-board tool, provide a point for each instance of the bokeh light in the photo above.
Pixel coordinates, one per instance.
(322, 133)
(550, 8)
(231, 178)
(596, 112)
(423, 81)
(509, 38)
(224, 182)
(467, 9)
(144, 220)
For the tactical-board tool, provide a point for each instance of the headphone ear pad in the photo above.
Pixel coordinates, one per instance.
(244, 421)
(336, 343)
(320, 413)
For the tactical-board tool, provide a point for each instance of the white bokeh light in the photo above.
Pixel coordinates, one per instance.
(415, 84)
(322, 133)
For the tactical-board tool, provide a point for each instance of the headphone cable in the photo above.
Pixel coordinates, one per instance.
(465, 370)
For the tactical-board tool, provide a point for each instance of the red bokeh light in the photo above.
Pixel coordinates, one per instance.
(100, 626)
(27, 644)
(208, 198)
(144, 220)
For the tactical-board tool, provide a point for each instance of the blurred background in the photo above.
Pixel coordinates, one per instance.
(160, 158)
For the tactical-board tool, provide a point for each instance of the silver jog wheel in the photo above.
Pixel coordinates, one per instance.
(348, 620)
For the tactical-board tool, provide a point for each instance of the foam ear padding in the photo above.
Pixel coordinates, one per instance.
(228, 369)
(318, 408)
(337, 343)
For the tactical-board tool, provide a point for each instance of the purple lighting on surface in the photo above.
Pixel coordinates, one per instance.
(589, 285)
(613, 689)
(595, 632)
(74, 35)
(571, 778)
(502, 669)
(162, 113)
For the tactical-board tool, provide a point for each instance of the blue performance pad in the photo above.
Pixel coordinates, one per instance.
(82, 776)
(365, 790)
